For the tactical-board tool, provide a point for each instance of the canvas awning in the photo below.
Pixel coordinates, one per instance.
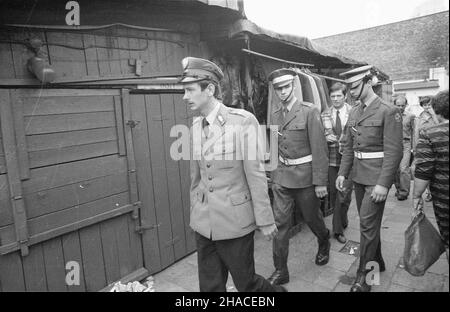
(298, 47)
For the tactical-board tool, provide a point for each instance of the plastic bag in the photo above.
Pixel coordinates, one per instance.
(423, 244)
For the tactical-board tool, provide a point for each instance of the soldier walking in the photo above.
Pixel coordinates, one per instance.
(300, 180)
(373, 149)
(229, 198)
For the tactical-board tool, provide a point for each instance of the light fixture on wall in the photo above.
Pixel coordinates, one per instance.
(37, 65)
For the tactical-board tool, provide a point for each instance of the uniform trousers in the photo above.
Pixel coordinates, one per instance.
(285, 200)
(217, 258)
(370, 218)
(403, 175)
(339, 201)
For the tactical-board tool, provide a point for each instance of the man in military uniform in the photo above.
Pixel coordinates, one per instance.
(229, 198)
(300, 180)
(403, 176)
(373, 149)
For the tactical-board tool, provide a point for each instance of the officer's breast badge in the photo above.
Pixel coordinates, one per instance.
(221, 120)
(398, 117)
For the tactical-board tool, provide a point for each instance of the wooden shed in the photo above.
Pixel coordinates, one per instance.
(85, 169)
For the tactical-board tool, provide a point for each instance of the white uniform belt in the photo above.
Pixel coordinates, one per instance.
(372, 155)
(298, 161)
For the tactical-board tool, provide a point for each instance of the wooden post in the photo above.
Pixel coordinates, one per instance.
(12, 166)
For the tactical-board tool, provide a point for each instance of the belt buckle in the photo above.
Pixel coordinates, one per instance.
(359, 155)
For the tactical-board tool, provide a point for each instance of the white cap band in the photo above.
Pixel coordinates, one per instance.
(281, 79)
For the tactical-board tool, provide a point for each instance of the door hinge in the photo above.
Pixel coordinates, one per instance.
(145, 227)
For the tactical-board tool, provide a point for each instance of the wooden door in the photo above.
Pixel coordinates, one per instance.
(163, 182)
(68, 190)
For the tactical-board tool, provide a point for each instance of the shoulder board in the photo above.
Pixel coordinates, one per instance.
(307, 104)
(240, 112)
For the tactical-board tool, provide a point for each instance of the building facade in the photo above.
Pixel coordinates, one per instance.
(414, 53)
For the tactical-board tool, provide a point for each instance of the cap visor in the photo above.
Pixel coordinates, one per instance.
(189, 79)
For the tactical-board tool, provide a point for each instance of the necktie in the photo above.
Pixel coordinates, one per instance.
(205, 125)
(285, 112)
(338, 125)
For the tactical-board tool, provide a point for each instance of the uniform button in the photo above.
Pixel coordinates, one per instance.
(211, 189)
(359, 143)
(210, 178)
(208, 165)
(285, 147)
(359, 133)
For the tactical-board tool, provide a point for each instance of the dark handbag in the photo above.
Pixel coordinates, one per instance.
(423, 244)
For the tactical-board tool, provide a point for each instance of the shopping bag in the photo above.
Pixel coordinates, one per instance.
(423, 244)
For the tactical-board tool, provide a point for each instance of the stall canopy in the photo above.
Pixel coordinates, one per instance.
(265, 39)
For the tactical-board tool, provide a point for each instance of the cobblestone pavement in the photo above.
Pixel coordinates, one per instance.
(339, 273)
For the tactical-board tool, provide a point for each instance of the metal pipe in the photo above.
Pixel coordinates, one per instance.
(57, 27)
(276, 59)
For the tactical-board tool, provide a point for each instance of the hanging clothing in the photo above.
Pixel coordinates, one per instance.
(322, 93)
(327, 92)
(311, 92)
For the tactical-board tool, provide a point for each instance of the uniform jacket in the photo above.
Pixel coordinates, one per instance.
(301, 135)
(229, 197)
(377, 129)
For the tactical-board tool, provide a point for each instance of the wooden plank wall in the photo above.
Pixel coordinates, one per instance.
(74, 154)
(76, 173)
(101, 55)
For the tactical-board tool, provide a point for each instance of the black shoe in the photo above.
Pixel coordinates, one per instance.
(340, 238)
(279, 277)
(402, 198)
(360, 284)
(323, 255)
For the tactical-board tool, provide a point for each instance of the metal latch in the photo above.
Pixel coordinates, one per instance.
(136, 206)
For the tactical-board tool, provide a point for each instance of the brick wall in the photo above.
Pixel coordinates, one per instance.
(403, 50)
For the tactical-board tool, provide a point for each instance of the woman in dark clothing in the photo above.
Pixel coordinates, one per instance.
(432, 164)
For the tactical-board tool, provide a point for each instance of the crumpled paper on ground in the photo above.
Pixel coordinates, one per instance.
(134, 286)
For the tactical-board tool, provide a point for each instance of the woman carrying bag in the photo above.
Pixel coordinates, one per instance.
(431, 160)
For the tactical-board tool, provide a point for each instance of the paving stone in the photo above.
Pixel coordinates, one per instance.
(162, 285)
(263, 270)
(182, 274)
(445, 287)
(429, 282)
(300, 285)
(328, 277)
(340, 261)
(441, 267)
(341, 288)
(399, 288)
(307, 271)
(192, 259)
